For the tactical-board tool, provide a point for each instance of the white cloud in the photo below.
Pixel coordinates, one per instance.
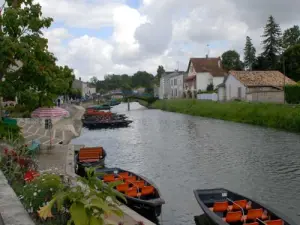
(164, 32)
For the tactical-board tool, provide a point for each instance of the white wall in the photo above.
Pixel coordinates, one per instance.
(221, 94)
(217, 81)
(212, 96)
(232, 85)
(203, 79)
(178, 86)
(92, 90)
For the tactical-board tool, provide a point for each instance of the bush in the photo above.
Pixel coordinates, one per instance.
(292, 94)
(279, 116)
(9, 131)
(40, 191)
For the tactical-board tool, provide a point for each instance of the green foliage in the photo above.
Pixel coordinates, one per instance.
(249, 54)
(124, 82)
(41, 190)
(292, 94)
(160, 72)
(9, 131)
(210, 87)
(231, 60)
(279, 116)
(88, 201)
(271, 43)
(29, 69)
(291, 37)
(292, 62)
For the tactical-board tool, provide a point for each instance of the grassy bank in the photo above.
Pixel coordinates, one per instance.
(286, 117)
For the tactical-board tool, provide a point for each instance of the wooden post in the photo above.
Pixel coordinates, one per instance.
(128, 104)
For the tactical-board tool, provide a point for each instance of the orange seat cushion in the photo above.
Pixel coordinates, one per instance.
(220, 206)
(132, 192)
(123, 187)
(139, 184)
(274, 222)
(232, 217)
(147, 190)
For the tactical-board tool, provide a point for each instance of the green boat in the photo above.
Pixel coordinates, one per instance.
(100, 107)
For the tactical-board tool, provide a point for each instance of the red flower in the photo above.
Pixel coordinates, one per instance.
(30, 175)
(21, 161)
(5, 151)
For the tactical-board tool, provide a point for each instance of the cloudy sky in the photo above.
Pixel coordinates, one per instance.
(96, 37)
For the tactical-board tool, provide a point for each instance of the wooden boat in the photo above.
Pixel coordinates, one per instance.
(140, 193)
(89, 157)
(93, 124)
(100, 107)
(226, 207)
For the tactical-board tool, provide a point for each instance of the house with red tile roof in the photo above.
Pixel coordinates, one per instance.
(255, 86)
(202, 72)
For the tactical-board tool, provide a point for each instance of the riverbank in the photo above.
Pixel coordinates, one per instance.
(285, 117)
(59, 159)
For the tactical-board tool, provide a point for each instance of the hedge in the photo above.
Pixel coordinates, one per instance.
(292, 94)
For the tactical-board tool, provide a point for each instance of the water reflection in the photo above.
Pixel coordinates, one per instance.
(181, 153)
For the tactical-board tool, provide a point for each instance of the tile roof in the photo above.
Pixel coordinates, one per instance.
(210, 65)
(262, 78)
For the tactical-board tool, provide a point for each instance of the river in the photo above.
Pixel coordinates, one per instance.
(181, 153)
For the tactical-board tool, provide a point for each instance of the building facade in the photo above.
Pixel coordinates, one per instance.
(201, 73)
(171, 85)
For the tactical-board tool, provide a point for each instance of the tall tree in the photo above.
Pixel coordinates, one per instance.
(272, 43)
(249, 54)
(160, 72)
(231, 60)
(292, 62)
(291, 37)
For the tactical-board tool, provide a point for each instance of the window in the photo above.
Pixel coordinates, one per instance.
(175, 92)
(175, 81)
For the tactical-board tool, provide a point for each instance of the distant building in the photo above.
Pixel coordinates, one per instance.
(171, 84)
(202, 72)
(87, 89)
(254, 86)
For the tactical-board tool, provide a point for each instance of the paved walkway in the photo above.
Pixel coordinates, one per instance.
(62, 132)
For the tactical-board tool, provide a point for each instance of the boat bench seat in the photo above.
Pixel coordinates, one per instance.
(93, 155)
(110, 178)
(254, 214)
(274, 222)
(232, 217)
(236, 205)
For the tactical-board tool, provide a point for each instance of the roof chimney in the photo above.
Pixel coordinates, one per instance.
(206, 56)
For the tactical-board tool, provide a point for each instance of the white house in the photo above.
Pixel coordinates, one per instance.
(202, 72)
(260, 86)
(176, 84)
(87, 89)
(171, 84)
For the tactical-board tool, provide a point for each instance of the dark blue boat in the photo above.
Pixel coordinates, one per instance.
(226, 207)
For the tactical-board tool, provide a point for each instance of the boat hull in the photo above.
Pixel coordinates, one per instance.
(151, 207)
(207, 197)
(110, 124)
(80, 166)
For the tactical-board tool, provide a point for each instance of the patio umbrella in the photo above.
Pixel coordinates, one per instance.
(48, 113)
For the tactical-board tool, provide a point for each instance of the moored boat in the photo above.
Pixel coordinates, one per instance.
(140, 192)
(100, 107)
(89, 157)
(225, 207)
(94, 124)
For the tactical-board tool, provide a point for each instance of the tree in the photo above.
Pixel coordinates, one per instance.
(20, 27)
(249, 54)
(25, 60)
(291, 37)
(272, 43)
(94, 80)
(292, 62)
(231, 60)
(160, 72)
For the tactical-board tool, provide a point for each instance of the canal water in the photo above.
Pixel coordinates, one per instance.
(181, 153)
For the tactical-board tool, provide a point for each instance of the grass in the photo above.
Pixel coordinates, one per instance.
(285, 117)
